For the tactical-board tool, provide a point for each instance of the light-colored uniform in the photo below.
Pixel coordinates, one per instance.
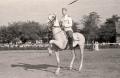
(66, 22)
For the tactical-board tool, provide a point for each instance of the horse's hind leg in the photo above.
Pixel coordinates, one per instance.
(73, 58)
(58, 63)
(81, 57)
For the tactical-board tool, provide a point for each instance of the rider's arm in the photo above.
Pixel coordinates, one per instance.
(62, 27)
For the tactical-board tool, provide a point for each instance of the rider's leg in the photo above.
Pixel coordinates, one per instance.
(70, 38)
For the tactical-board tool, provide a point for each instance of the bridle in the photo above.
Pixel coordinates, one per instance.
(51, 22)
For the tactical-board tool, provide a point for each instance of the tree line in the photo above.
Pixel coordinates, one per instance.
(32, 31)
(95, 31)
(24, 31)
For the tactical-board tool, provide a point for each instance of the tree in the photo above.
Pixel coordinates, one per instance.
(107, 32)
(91, 26)
(74, 27)
(24, 31)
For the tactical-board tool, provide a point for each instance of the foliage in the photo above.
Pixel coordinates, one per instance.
(107, 32)
(25, 31)
(91, 23)
(32, 31)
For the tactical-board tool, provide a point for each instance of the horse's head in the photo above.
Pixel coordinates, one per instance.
(52, 21)
(52, 17)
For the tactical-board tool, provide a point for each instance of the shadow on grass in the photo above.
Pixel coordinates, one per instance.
(43, 67)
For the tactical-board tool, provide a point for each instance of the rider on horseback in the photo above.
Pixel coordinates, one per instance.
(66, 23)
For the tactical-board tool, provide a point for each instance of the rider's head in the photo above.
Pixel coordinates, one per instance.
(64, 11)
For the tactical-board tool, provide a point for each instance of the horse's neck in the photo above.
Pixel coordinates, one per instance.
(56, 30)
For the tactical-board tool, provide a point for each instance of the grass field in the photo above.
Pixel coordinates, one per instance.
(37, 64)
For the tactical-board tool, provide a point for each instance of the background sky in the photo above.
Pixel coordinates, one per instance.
(38, 10)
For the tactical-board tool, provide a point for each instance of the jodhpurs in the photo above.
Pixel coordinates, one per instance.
(70, 38)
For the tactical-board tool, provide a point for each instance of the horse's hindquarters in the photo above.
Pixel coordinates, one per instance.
(79, 39)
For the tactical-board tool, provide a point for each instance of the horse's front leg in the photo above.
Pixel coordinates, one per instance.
(50, 51)
(58, 63)
(73, 58)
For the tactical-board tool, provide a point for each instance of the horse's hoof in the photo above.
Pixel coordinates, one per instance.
(70, 68)
(50, 54)
(57, 71)
(79, 70)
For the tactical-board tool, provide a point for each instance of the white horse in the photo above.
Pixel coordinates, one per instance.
(60, 41)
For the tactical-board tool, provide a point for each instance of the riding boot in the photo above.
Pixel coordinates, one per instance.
(70, 39)
(71, 43)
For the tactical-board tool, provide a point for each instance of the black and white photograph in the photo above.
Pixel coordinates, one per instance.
(59, 38)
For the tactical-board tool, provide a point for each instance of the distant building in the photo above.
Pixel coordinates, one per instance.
(118, 31)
